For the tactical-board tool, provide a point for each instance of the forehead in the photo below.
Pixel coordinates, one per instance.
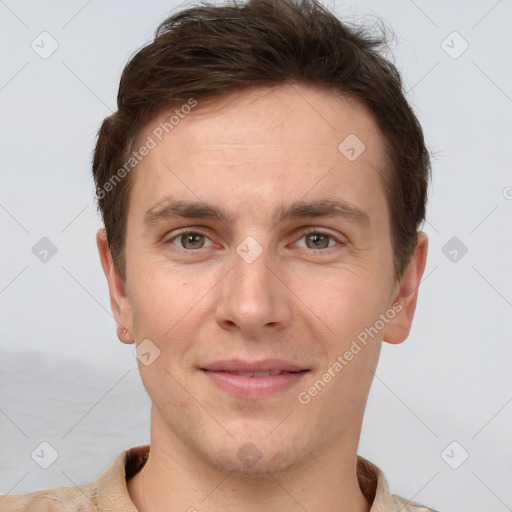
(258, 147)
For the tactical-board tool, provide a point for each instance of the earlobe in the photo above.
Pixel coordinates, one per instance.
(398, 329)
(119, 300)
(124, 335)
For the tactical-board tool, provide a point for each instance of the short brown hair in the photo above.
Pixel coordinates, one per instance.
(210, 51)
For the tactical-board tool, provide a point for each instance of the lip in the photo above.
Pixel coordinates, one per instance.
(221, 373)
(239, 365)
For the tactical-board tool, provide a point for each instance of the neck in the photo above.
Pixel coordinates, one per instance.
(175, 479)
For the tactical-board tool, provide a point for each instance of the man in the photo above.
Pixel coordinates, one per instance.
(261, 183)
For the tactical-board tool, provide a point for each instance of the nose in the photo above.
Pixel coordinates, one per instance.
(253, 298)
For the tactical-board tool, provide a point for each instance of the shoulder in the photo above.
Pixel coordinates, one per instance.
(410, 506)
(62, 499)
(375, 487)
(107, 493)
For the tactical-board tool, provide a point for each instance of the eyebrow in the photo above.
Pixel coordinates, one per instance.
(173, 208)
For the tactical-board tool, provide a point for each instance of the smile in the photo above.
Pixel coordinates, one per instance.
(253, 385)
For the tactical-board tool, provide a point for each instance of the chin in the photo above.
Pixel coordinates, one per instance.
(254, 455)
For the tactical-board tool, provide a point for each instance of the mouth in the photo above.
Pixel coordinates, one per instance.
(253, 379)
(239, 366)
(269, 373)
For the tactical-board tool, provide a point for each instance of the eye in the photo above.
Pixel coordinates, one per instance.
(190, 240)
(319, 240)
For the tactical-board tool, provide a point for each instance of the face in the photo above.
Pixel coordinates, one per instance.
(254, 237)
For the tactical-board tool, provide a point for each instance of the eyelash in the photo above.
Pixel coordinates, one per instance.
(310, 231)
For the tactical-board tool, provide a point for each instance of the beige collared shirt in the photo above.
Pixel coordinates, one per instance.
(108, 493)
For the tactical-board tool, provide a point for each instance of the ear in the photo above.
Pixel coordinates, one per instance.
(119, 301)
(406, 294)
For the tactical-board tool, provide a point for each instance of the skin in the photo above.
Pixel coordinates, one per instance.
(251, 153)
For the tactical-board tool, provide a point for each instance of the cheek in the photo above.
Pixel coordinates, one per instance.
(164, 307)
(345, 302)
(165, 295)
(352, 346)
(172, 308)
(352, 311)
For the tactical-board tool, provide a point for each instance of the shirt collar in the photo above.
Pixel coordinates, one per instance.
(112, 492)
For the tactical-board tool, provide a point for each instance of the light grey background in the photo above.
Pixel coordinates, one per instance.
(67, 380)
